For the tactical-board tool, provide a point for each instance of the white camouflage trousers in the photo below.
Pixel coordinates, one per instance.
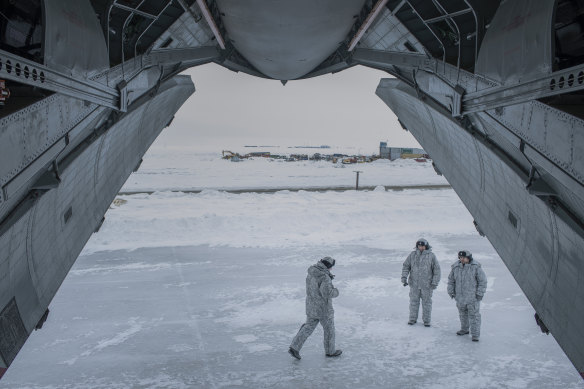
(470, 316)
(426, 295)
(328, 325)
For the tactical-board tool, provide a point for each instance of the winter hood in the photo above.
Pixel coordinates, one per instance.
(319, 270)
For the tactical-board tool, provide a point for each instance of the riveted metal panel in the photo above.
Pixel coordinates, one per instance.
(185, 32)
(28, 133)
(12, 151)
(388, 33)
(547, 125)
(71, 25)
(35, 134)
(142, 82)
(540, 248)
(43, 247)
(5, 256)
(33, 169)
(44, 231)
(12, 332)
(533, 128)
(517, 45)
(53, 116)
(578, 147)
(558, 140)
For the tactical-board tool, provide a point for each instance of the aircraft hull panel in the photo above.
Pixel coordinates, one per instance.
(285, 40)
(45, 242)
(540, 249)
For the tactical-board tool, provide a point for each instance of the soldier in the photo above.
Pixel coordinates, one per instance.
(319, 308)
(467, 283)
(424, 276)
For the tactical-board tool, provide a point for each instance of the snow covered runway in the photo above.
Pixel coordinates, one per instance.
(207, 290)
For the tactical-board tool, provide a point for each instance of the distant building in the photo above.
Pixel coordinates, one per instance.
(393, 153)
(383, 150)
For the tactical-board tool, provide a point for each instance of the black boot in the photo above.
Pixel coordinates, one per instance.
(294, 353)
(335, 354)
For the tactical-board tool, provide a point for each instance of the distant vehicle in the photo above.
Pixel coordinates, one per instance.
(230, 155)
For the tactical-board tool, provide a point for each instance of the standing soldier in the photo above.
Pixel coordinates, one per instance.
(424, 276)
(467, 283)
(319, 308)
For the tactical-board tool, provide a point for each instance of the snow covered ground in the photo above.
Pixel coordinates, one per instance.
(206, 290)
(182, 170)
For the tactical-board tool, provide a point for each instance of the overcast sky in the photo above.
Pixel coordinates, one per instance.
(231, 109)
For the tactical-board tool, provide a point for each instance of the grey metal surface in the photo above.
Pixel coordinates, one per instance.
(63, 160)
(211, 23)
(388, 33)
(521, 179)
(186, 31)
(12, 332)
(63, 157)
(29, 133)
(285, 40)
(39, 248)
(557, 83)
(388, 59)
(154, 20)
(31, 73)
(69, 26)
(32, 138)
(134, 10)
(192, 56)
(377, 9)
(517, 45)
(539, 247)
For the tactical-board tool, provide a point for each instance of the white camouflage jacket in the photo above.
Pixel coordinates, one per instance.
(319, 291)
(465, 282)
(423, 269)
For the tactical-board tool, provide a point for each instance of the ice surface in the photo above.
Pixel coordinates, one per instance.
(207, 290)
(377, 218)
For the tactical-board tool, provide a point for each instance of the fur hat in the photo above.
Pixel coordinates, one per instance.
(328, 262)
(422, 242)
(466, 254)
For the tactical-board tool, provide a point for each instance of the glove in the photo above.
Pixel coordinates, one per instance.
(405, 283)
(433, 286)
(452, 296)
(479, 297)
(332, 276)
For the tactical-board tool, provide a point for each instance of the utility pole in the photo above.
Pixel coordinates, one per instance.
(357, 183)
